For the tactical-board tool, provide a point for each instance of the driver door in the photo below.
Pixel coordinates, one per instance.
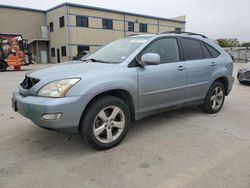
(163, 85)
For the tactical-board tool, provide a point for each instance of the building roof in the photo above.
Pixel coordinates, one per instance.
(111, 10)
(22, 8)
(88, 7)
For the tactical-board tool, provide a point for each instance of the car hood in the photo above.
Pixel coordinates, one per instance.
(246, 66)
(70, 69)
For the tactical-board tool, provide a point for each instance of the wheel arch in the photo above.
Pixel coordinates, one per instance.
(224, 81)
(119, 93)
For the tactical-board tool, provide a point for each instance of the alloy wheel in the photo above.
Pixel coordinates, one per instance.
(109, 124)
(217, 98)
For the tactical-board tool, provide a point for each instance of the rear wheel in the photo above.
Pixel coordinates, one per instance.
(3, 66)
(105, 123)
(215, 98)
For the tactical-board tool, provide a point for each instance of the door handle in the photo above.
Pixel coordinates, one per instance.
(181, 68)
(213, 64)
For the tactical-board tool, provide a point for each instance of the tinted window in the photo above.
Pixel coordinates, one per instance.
(107, 24)
(214, 53)
(61, 21)
(167, 49)
(143, 28)
(192, 49)
(63, 50)
(130, 26)
(206, 53)
(82, 21)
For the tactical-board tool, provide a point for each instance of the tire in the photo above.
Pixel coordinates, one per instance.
(3, 66)
(99, 125)
(214, 99)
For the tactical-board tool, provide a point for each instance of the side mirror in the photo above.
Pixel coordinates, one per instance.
(150, 59)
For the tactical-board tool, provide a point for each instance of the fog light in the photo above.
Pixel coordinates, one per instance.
(54, 116)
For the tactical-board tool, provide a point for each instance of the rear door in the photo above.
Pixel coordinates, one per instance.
(200, 67)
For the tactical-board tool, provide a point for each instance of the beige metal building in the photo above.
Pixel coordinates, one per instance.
(58, 34)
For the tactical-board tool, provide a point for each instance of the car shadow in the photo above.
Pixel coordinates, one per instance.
(72, 144)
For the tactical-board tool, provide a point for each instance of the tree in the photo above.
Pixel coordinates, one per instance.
(227, 43)
(245, 44)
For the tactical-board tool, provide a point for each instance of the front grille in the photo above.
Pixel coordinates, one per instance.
(29, 82)
(247, 74)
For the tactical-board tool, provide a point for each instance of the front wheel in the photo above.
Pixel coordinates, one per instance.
(215, 98)
(105, 123)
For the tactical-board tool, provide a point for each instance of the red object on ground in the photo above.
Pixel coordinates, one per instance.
(18, 67)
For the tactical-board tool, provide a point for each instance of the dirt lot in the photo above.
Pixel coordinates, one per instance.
(183, 148)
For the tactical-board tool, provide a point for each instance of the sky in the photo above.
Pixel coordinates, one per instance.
(214, 18)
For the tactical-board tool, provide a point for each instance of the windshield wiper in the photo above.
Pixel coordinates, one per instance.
(97, 60)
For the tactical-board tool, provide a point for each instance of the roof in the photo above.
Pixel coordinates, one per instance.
(89, 7)
(111, 10)
(22, 8)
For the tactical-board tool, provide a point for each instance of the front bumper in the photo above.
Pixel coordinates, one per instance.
(242, 77)
(34, 107)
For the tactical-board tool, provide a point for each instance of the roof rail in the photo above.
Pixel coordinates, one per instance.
(183, 32)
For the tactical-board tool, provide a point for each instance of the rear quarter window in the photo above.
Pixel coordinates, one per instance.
(214, 53)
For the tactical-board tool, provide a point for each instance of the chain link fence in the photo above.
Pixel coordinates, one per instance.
(239, 54)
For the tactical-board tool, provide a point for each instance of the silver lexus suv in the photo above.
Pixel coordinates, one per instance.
(125, 81)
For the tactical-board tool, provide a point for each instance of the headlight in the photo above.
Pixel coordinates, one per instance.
(57, 88)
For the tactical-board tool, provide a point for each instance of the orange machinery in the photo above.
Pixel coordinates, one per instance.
(11, 52)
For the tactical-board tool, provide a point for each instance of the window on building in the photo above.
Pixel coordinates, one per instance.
(177, 29)
(192, 49)
(63, 51)
(61, 22)
(131, 26)
(107, 24)
(51, 27)
(81, 49)
(53, 52)
(143, 28)
(82, 21)
(167, 49)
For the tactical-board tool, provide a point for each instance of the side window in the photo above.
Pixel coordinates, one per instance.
(82, 21)
(61, 22)
(131, 26)
(107, 24)
(51, 27)
(206, 53)
(192, 49)
(214, 53)
(167, 49)
(53, 52)
(143, 28)
(63, 50)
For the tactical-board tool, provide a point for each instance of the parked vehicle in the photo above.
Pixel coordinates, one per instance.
(12, 51)
(124, 81)
(244, 74)
(80, 55)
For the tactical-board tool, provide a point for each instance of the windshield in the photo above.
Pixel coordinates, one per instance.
(117, 51)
